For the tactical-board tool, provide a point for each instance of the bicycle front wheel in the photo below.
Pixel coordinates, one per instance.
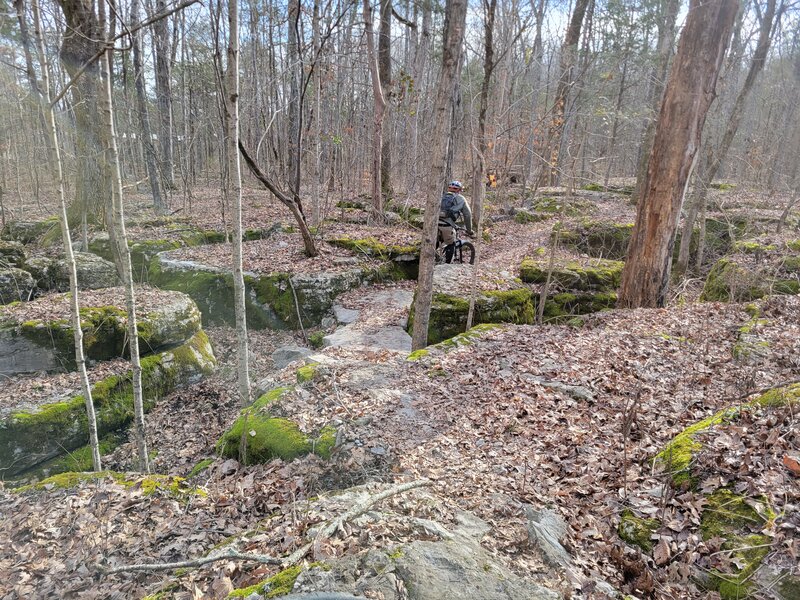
(465, 254)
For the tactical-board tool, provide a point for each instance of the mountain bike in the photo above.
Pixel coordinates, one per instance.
(460, 251)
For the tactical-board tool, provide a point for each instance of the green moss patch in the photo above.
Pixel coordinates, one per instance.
(733, 518)
(200, 467)
(307, 372)
(278, 585)
(267, 437)
(28, 438)
(637, 531)
(677, 456)
(751, 247)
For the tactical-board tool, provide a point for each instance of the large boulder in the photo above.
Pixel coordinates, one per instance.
(15, 285)
(93, 272)
(29, 346)
(30, 437)
(744, 277)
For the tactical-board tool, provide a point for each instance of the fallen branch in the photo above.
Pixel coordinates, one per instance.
(294, 557)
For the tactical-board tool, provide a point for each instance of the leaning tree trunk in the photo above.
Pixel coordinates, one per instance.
(567, 62)
(234, 191)
(666, 38)
(116, 217)
(689, 93)
(58, 173)
(455, 19)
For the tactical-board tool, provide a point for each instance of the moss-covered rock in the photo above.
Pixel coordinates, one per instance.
(449, 312)
(597, 238)
(598, 274)
(28, 438)
(677, 457)
(735, 519)
(307, 372)
(31, 346)
(729, 281)
(564, 306)
(753, 247)
(375, 249)
(93, 272)
(27, 232)
(732, 280)
(637, 531)
(267, 437)
(15, 285)
(12, 254)
(77, 460)
(272, 300)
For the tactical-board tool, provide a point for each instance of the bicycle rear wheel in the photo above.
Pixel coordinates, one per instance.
(465, 254)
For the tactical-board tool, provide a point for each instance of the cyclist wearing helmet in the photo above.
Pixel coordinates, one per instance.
(454, 206)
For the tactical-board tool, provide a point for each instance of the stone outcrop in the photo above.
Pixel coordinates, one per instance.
(52, 275)
(273, 300)
(30, 437)
(507, 302)
(33, 345)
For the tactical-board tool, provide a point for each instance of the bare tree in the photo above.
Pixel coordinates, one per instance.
(689, 93)
(233, 189)
(455, 19)
(379, 110)
(58, 175)
(119, 238)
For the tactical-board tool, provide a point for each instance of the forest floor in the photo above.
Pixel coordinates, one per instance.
(479, 421)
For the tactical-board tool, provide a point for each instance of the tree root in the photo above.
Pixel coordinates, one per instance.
(232, 554)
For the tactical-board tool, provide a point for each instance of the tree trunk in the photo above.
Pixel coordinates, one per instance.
(295, 106)
(666, 37)
(116, 217)
(716, 156)
(689, 93)
(567, 61)
(455, 19)
(379, 110)
(385, 76)
(478, 177)
(144, 120)
(58, 176)
(82, 41)
(234, 191)
(164, 95)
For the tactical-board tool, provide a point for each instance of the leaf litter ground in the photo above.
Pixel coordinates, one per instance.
(488, 423)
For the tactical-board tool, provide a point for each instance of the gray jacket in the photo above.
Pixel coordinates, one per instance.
(458, 207)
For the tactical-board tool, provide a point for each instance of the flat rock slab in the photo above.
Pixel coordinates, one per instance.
(388, 338)
(33, 345)
(30, 437)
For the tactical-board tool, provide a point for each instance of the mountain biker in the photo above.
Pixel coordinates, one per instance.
(453, 207)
